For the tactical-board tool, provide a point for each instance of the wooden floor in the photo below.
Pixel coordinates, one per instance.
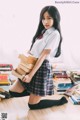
(17, 109)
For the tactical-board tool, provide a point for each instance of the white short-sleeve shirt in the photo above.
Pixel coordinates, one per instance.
(50, 40)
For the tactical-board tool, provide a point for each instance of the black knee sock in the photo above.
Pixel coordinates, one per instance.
(6, 94)
(16, 94)
(47, 103)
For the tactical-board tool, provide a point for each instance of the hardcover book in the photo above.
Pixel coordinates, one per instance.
(4, 79)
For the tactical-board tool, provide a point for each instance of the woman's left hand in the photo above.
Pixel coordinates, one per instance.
(27, 78)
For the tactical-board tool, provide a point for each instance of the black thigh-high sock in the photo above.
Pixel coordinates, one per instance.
(47, 103)
(16, 94)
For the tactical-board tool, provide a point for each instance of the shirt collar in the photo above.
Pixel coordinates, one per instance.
(50, 30)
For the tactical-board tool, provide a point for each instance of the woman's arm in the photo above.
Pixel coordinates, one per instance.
(39, 62)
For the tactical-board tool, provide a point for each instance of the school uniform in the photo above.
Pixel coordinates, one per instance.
(42, 82)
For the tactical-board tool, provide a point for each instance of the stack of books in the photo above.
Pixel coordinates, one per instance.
(62, 84)
(5, 70)
(25, 66)
(6, 67)
(4, 79)
(75, 95)
(75, 77)
(70, 91)
(60, 74)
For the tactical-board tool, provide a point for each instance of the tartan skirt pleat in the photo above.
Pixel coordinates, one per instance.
(42, 82)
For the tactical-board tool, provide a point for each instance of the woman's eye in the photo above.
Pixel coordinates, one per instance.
(49, 18)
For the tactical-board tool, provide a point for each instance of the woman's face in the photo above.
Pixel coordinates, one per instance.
(47, 20)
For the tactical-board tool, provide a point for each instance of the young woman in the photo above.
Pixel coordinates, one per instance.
(46, 44)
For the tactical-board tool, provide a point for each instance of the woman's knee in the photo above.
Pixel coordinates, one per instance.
(16, 86)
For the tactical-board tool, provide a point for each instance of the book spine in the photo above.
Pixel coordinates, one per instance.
(61, 90)
(75, 99)
(29, 66)
(16, 74)
(2, 96)
(72, 100)
(24, 68)
(77, 92)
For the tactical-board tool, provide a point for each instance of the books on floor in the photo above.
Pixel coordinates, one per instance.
(75, 77)
(75, 97)
(73, 90)
(74, 101)
(6, 67)
(70, 91)
(62, 84)
(74, 94)
(5, 71)
(4, 79)
(60, 74)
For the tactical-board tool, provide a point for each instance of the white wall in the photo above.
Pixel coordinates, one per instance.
(18, 24)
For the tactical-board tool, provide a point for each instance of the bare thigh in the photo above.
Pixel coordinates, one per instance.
(17, 87)
(34, 99)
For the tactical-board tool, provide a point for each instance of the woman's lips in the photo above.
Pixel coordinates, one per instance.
(46, 25)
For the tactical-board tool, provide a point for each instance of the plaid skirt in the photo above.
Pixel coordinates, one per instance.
(42, 82)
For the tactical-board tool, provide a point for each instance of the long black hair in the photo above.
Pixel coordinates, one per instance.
(54, 13)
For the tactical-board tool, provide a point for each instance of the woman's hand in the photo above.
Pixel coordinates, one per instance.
(27, 78)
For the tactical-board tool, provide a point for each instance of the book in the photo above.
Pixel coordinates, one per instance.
(62, 80)
(60, 74)
(75, 90)
(20, 71)
(2, 96)
(62, 88)
(69, 92)
(17, 74)
(27, 70)
(27, 59)
(73, 101)
(58, 81)
(4, 79)
(6, 67)
(62, 84)
(76, 98)
(29, 66)
(75, 77)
